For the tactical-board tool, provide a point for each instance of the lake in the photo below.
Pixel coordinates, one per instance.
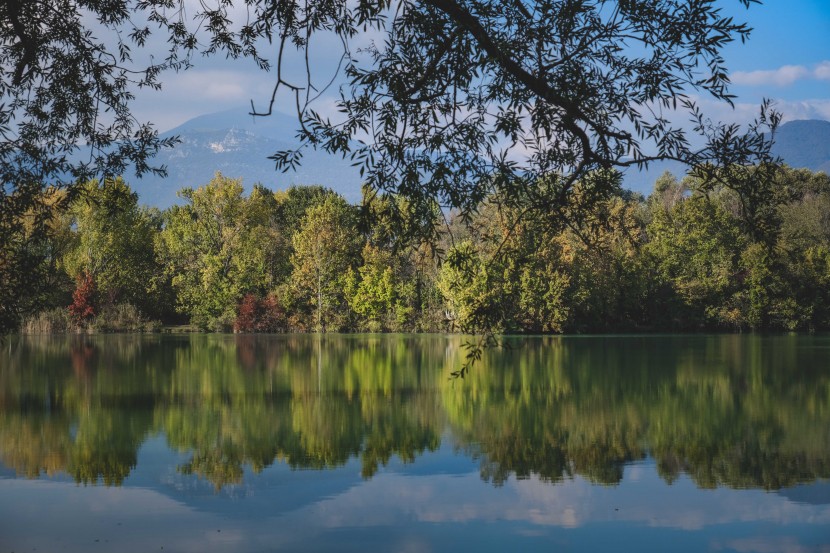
(365, 443)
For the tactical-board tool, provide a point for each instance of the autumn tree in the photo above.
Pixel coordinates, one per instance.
(84, 300)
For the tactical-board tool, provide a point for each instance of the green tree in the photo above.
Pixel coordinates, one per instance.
(461, 99)
(609, 283)
(65, 118)
(466, 282)
(777, 218)
(215, 249)
(532, 272)
(801, 287)
(391, 288)
(696, 248)
(114, 243)
(289, 211)
(32, 244)
(379, 293)
(326, 246)
(529, 276)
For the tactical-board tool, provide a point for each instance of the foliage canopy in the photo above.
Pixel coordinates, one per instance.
(441, 102)
(454, 100)
(447, 100)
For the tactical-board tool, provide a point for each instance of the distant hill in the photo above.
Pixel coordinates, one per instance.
(804, 144)
(801, 144)
(238, 145)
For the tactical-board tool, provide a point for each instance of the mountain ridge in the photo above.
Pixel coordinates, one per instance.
(801, 144)
(238, 145)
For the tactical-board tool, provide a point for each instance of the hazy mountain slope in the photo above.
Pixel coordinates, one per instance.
(804, 144)
(238, 145)
(801, 144)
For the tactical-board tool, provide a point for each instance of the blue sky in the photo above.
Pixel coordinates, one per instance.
(787, 59)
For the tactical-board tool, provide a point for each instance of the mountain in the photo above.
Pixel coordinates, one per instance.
(804, 144)
(238, 145)
(801, 144)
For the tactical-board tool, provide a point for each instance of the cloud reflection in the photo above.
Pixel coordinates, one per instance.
(766, 545)
(570, 504)
(404, 513)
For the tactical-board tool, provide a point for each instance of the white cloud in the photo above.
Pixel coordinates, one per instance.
(822, 71)
(390, 502)
(744, 113)
(200, 91)
(805, 109)
(575, 503)
(783, 76)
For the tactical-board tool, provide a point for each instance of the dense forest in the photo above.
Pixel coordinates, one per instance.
(685, 258)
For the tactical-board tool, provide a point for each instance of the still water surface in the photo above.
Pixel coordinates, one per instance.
(364, 443)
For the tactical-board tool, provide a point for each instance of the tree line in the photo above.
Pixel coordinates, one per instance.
(685, 258)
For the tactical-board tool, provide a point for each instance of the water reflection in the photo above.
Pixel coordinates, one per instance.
(735, 411)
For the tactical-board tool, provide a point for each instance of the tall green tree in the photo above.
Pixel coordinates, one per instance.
(696, 246)
(801, 292)
(215, 249)
(32, 245)
(465, 283)
(394, 287)
(609, 283)
(289, 211)
(114, 243)
(380, 293)
(326, 246)
(505, 287)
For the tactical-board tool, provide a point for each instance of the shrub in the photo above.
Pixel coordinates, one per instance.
(260, 315)
(52, 321)
(120, 317)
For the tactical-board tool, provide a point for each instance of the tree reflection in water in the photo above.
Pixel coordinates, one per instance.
(738, 411)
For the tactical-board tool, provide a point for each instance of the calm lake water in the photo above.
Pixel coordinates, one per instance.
(363, 443)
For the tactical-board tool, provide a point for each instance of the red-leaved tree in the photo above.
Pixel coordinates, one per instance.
(83, 305)
(260, 315)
